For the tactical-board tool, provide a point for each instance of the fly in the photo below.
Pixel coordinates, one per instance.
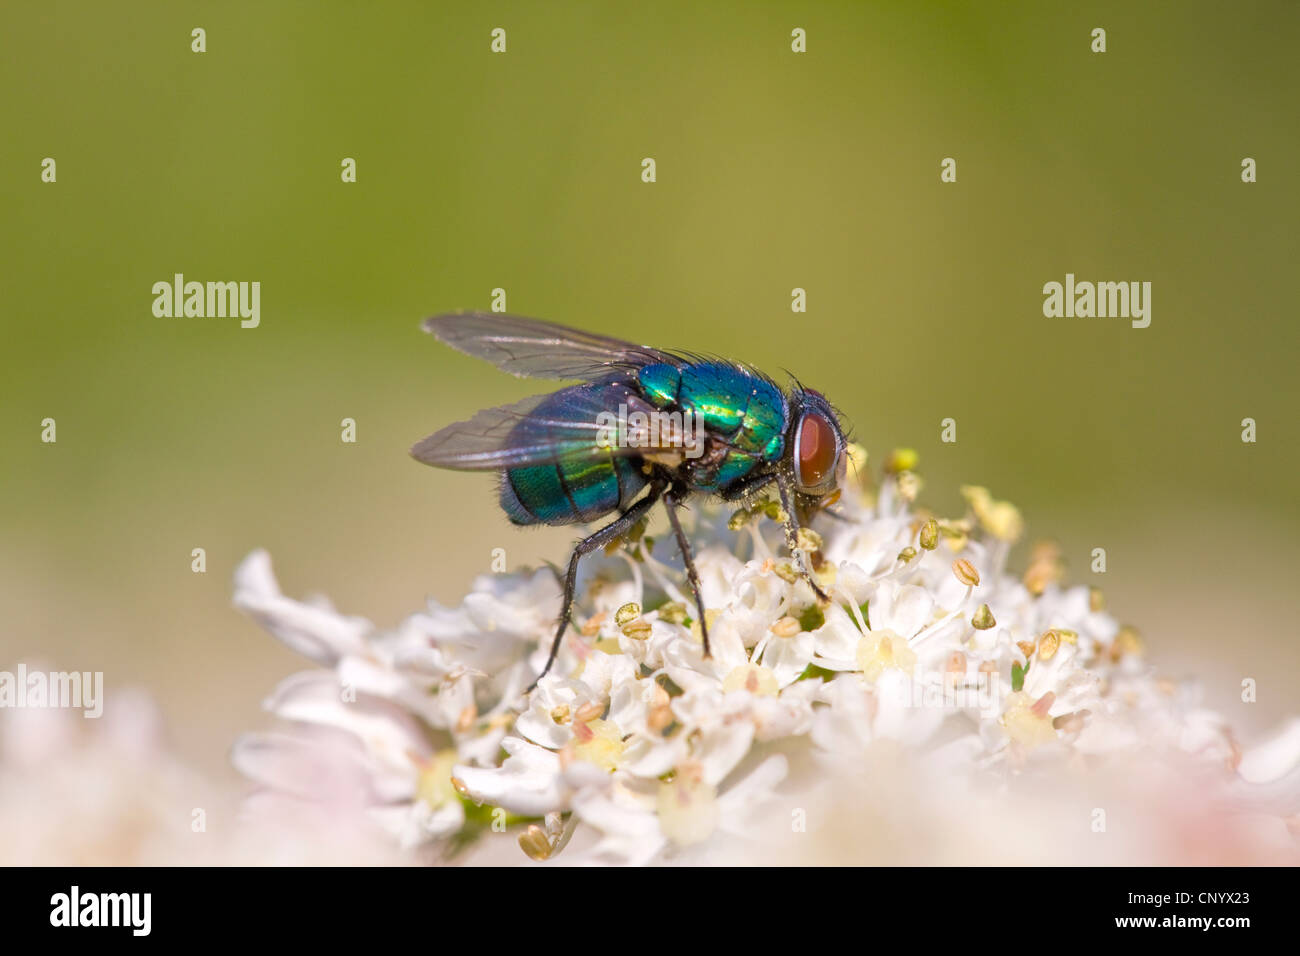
(645, 426)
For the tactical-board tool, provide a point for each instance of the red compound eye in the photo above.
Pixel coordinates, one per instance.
(817, 450)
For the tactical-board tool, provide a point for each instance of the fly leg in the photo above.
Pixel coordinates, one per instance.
(672, 501)
(747, 487)
(597, 539)
(792, 537)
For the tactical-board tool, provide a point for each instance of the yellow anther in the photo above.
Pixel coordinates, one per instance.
(535, 843)
(966, 573)
(786, 627)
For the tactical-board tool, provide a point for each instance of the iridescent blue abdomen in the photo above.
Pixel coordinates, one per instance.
(580, 486)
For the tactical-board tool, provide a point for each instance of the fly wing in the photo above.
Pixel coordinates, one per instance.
(574, 424)
(531, 348)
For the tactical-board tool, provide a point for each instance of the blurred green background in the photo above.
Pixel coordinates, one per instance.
(522, 171)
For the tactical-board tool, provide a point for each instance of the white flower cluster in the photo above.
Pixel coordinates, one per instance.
(637, 748)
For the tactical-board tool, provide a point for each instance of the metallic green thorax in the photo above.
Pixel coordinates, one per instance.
(738, 407)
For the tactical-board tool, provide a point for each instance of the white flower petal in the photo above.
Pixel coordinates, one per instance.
(1274, 758)
(902, 609)
(529, 782)
(319, 634)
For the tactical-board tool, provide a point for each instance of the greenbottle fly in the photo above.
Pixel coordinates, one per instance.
(645, 426)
